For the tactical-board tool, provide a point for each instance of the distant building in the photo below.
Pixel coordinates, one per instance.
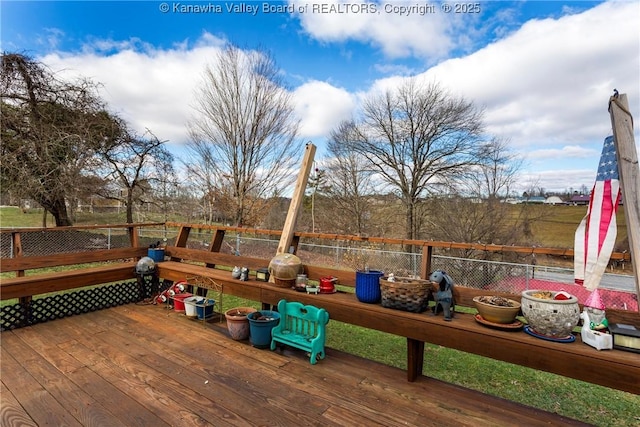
(533, 199)
(553, 200)
(579, 200)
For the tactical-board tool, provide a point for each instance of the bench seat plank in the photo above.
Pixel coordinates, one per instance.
(18, 287)
(57, 260)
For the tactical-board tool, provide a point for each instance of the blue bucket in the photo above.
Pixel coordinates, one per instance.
(205, 308)
(157, 255)
(368, 286)
(260, 325)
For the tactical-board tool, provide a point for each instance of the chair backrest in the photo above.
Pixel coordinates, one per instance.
(302, 319)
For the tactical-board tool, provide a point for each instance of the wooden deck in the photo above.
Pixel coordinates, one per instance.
(143, 365)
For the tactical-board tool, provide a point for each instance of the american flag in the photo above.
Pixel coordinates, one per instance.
(596, 234)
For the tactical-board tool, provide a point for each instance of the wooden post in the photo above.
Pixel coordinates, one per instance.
(134, 238)
(622, 123)
(298, 193)
(425, 267)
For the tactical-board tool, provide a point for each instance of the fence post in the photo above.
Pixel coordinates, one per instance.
(425, 268)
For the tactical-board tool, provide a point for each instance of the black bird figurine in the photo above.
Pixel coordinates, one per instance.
(615, 93)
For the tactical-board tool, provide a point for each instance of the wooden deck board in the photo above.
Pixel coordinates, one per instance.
(147, 365)
(38, 403)
(12, 413)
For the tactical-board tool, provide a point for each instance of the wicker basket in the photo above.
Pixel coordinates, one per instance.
(405, 293)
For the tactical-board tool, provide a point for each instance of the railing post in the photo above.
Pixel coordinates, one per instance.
(217, 240)
(16, 245)
(133, 236)
(425, 268)
(183, 236)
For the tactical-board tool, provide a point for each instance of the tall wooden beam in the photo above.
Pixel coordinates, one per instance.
(622, 123)
(298, 194)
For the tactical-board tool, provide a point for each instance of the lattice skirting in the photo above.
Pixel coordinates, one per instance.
(72, 303)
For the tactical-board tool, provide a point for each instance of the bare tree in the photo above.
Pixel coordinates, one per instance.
(136, 165)
(477, 198)
(242, 138)
(50, 129)
(350, 183)
(496, 172)
(414, 137)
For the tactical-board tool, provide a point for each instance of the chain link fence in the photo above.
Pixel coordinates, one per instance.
(617, 291)
(50, 242)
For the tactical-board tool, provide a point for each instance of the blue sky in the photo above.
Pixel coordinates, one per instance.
(542, 70)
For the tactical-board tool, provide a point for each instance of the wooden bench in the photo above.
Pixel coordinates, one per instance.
(26, 286)
(612, 368)
(301, 326)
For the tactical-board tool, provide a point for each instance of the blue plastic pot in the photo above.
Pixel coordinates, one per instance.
(204, 308)
(368, 286)
(260, 325)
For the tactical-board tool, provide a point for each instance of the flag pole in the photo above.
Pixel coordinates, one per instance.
(622, 124)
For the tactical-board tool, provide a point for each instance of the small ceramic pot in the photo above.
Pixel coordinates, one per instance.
(504, 314)
(550, 317)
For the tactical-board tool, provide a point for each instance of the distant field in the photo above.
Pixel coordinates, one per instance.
(14, 217)
(556, 229)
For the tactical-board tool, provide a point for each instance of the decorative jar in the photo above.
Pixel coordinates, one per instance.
(301, 283)
(284, 268)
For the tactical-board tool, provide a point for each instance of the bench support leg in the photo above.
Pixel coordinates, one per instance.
(415, 358)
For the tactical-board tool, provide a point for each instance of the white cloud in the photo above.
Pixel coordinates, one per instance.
(53, 37)
(151, 89)
(397, 28)
(551, 80)
(567, 152)
(321, 107)
(551, 180)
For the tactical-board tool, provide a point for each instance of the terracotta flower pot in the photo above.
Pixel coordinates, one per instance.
(237, 322)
